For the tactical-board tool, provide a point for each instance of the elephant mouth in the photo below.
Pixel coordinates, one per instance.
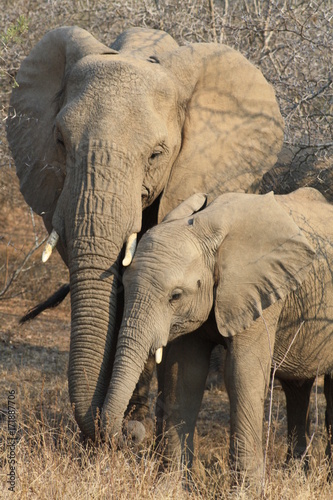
(146, 196)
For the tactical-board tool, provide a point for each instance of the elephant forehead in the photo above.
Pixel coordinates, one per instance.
(117, 75)
(162, 274)
(169, 240)
(170, 244)
(165, 259)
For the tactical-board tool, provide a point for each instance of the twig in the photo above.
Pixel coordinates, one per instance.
(267, 33)
(19, 269)
(226, 9)
(313, 96)
(275, 369)
(212, 13)
(316, 422)
(34, 225)
(7, 260)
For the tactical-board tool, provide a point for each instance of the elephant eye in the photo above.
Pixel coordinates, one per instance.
(153, 59)
(59, 139)
(176, 295)
(155, 155)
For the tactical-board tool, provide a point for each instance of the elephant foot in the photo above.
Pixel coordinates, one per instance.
(247, 474)
(300, 456)
(252, 484)
(329, 457)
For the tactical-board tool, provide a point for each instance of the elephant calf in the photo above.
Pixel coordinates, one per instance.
(251, 272)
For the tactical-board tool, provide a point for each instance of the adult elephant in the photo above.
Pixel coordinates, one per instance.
(251, 272)
(99, 134)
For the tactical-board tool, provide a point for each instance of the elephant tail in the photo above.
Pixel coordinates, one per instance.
(52, 301)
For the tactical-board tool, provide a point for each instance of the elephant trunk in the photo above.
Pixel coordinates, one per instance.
(97, 223)
(136, 338)
(92, 346)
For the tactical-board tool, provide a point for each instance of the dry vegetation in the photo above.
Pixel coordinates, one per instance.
(291, 41)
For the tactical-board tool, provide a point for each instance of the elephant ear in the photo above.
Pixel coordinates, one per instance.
(262, 257)
(233, 129)
(33, 108)
(193, 204)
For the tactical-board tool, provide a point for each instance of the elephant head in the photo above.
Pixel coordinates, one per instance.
(98, 134)
(233, 259)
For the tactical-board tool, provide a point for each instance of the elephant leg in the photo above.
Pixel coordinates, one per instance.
(328, 390)
(247, 374)
(216, 369)
(184, 376)
(298, 401)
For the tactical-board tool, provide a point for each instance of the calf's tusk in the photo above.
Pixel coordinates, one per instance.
(158, 355)
(130, 249)
(52, 240)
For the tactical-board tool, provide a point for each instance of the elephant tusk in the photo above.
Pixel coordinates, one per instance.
(130, 249)
(158, 355)
(52, 241)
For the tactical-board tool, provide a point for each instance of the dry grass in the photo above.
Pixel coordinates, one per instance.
(292, 44)
(52, 462)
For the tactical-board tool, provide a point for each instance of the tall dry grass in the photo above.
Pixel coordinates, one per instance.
(53, 462)
(291, 41)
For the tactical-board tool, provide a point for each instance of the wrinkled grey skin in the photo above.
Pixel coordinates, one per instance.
(251, 272)
(99, 134)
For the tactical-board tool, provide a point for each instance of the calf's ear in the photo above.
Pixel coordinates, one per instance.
(187, 208)
(261, 258)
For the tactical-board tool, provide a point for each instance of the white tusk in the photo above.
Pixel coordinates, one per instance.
(158, 355)
(130, 249)
(52, 240)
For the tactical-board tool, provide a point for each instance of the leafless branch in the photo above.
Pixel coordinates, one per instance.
(17, 271)
(212, 13)
(316, 94)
